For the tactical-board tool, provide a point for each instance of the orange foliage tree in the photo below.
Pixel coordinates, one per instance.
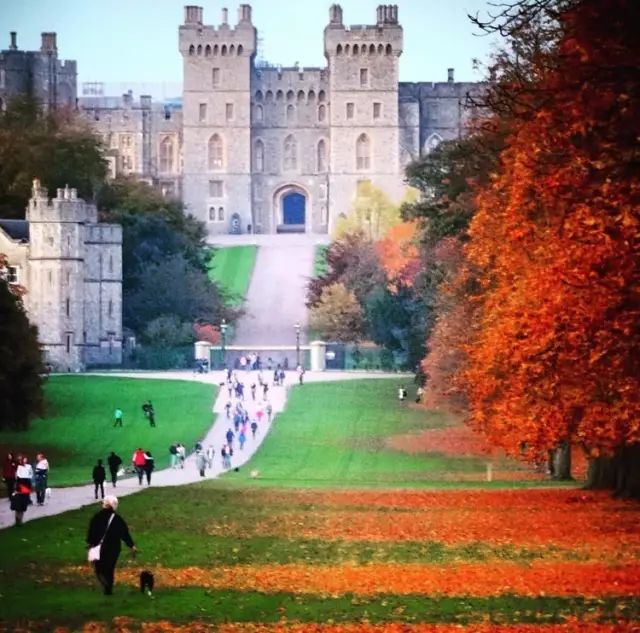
(554, 356)
(399, 253)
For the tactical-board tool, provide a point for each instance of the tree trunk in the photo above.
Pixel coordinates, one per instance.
(561, 462)
(620, 473)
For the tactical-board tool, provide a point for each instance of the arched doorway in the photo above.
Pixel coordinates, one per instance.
(293, 208)
(290, 209)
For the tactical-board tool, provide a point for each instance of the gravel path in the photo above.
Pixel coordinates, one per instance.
(73, 497)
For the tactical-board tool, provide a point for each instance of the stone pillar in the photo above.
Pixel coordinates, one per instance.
(318, 355)
(202, 350)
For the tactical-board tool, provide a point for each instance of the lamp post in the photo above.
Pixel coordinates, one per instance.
(297, 326)
(223, 340)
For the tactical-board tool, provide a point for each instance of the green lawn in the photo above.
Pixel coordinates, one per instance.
(333, 435)
(231, 268)
(78, 426)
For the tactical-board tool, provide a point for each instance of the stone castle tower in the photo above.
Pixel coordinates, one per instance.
(275, 149)
(74, 281)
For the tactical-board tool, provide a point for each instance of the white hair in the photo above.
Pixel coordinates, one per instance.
(110, 502)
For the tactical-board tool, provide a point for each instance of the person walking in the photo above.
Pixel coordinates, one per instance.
(254, 428)
(24, 474)
(108, 530)
(114, 462)
(118, 415)
(227, 408)
(149, 412)
(9, 473)
(210, 453)
(242, 438)
(300, 370)
(182, 454)
(173, 455)
(41, 477)
(99, 475)
(253, 391)
(230, 435)
(20, 498)
(149, 465)
(269, 412)
(138, 460)
(201, 462)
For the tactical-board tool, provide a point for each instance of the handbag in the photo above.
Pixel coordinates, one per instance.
(94, 552)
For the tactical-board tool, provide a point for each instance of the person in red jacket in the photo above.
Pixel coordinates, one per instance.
(9, 473)
(139, 460)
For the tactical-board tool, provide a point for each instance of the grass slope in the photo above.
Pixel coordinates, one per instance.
(78, 428)
(333, 435)
(231, 268)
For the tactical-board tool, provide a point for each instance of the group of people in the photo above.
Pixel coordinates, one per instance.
(143, 464)
(147, 409)
(204, 457)
(177, 455)
(21, 478)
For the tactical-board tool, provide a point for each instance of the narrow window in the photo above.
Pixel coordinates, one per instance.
(229, 111)
(351, 108)
(67, 306)
(220, 214)
(166, 154)
(212, 214)
(68, 337)
(259, 157)
(363, 152)
(215, 152)
(216, 189)
(110, 308)
(290, 161)
(364, 77)
(322, 156)
(322, 113)
(258, 113)
(291, 111)
(215, 77)
(202, 112)
(377, 109)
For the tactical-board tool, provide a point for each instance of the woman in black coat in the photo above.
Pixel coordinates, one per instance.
(110, 531)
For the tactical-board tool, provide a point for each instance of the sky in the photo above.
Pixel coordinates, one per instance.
(122, 41)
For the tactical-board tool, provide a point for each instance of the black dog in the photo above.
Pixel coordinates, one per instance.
(146, 582)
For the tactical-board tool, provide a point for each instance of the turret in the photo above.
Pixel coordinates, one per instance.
(14, 41)
(49, 44)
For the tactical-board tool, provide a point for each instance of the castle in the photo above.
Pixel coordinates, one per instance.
(253, 147)
(72, 268)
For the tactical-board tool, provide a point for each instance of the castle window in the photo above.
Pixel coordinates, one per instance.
(363, 152)
(321, 96)
(110, 308)
(364, 76)
(388, 50)
(215, 77)
(339, 49)
(311, 97)
(372, 49)
(355, 49)
(199, 49)
(291, 112)
(259, 96)
(3, 79)
(258, 162)
(232, 49)
(300, 96)
(229, 113)
(346, 49)
(216, 50)
(216, 159)
(290, 95)
(212, 214)
(351, 108)
(50, 274)
(258, 113)
(377, 109)
(167, 113)
(279, 96)
(68, 342)
(322, 113)
(268, 97)
(380, 49)
(240, 49)
(207, 51)
(223, 50)
(323, 192)
(166, 154)
(202, 112)
(110, 263)
(220, 214)
(192, 50)
(216, 189)
(13, 274)
(67, 307)
(290, 161)
(322, 156)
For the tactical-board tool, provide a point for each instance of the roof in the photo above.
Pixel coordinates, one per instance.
(16, 229)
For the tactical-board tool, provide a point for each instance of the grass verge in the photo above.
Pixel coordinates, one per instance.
(231, 268)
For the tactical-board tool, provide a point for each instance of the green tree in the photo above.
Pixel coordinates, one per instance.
(338, 315)
(168, 331)
(21, 367)
(58, 148)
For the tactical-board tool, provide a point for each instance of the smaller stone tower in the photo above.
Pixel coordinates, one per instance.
(217, 118)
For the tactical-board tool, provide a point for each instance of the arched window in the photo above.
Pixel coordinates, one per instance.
(258, 113)
(240, 49)
(216, 49)
(223, 50)
(339, 49)
(321, 96)
(355, 49)
(290, 158)
(268, 97)
(216, 152)
(220, 214)
(192, 50)
(290, 95)
(322, 155)
(372, 49)
(207, 50)
(279, 95)
(432, 142)
(291, 112)
(199, 49)
(259, 96)
(388, 50)
(258, 159)
(322, 112)
(166, 155)
(380, 49)
(311, 97)
(346, 49)
(363, 152)
(300, 96)
(232, 49)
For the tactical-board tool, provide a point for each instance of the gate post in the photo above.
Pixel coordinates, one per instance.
(318, 355)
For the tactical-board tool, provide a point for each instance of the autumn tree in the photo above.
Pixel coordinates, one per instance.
(554, 356)
(338, 315)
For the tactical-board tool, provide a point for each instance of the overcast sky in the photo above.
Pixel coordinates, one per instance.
(136, 40)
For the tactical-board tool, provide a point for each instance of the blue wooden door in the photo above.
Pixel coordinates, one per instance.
(293, 207)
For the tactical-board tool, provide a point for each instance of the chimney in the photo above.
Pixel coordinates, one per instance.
(192, 15)
(335, 15)
(127, 99)
(225, 16)
(14, 41)
(49, 43)
(244, 13)
(450, 75)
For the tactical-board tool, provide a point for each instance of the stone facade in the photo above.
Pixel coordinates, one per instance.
(41, 73)
(71, 267)
(254, 147)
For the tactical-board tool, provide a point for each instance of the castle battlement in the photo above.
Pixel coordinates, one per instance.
(65, 207)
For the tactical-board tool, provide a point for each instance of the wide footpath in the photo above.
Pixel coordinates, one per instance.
(73, 497)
